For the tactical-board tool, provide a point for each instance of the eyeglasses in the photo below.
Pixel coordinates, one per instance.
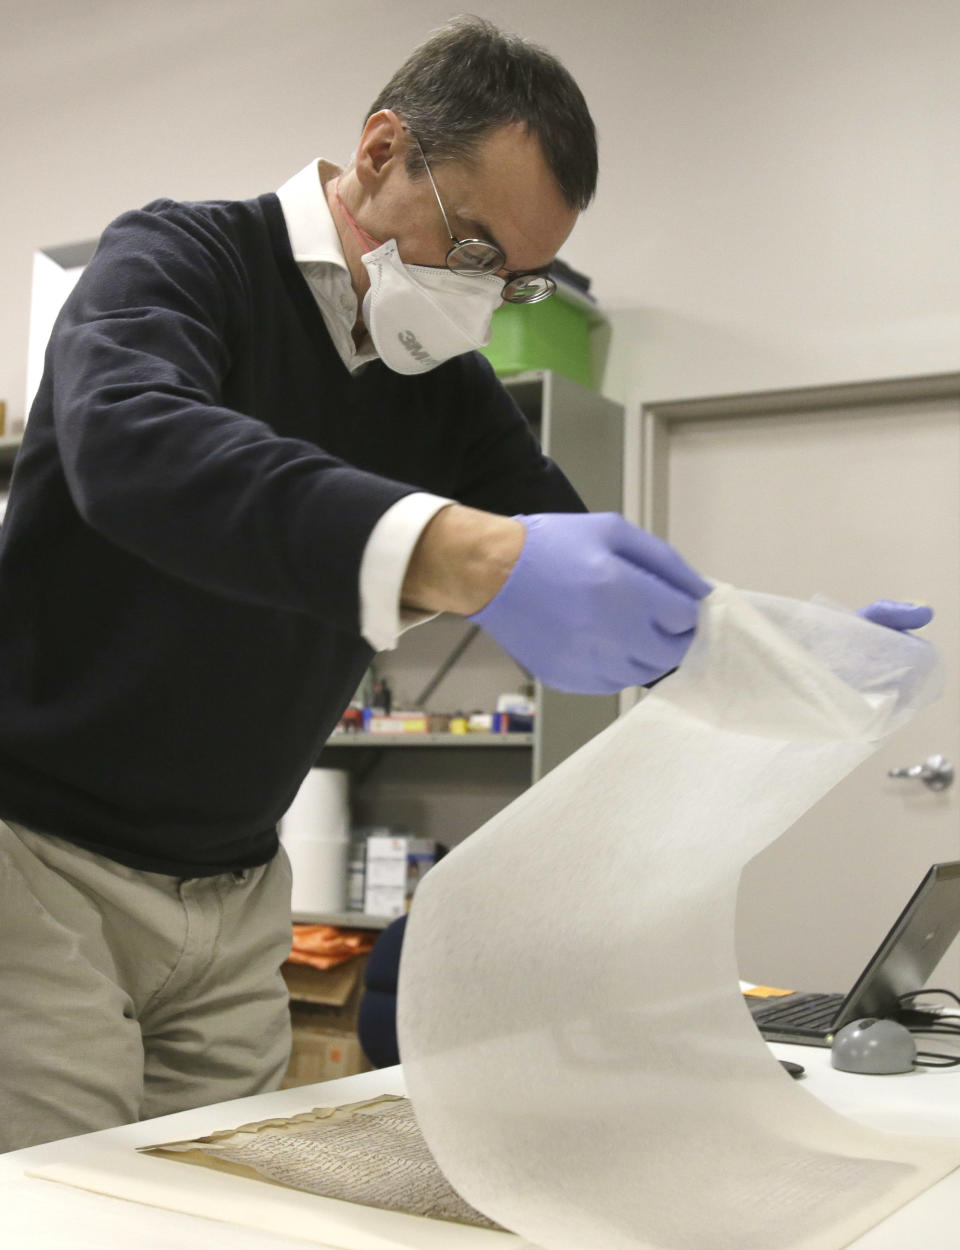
(475, 257)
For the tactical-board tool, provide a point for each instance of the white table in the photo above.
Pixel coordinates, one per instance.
(41, 1215)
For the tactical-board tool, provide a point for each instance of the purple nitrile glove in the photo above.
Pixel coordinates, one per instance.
(896, 615)
(594, 604)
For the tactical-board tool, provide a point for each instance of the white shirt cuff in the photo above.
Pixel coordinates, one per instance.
(384, 566)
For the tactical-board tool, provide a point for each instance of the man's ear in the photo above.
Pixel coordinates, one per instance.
(384, 140)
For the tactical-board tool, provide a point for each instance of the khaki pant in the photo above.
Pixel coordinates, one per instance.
(127, 994)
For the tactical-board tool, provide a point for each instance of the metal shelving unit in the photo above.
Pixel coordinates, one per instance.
(445, 786)
(343, 919)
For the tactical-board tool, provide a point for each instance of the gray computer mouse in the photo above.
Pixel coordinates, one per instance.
(874, 1047)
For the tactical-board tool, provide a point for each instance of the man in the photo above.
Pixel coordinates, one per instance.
(262, 444)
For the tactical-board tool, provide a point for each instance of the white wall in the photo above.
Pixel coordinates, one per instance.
(798, 199)
(780, 183)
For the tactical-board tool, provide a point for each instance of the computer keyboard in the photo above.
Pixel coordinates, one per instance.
(813, 1012)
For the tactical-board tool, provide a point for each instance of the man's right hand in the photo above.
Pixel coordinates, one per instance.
(594, 604)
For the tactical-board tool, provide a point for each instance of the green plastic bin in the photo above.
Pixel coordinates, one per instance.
(554, 334)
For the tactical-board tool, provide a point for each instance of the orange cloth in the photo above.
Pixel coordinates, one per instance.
(324, 945)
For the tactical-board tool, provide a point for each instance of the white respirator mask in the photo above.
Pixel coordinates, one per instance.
(418, 315)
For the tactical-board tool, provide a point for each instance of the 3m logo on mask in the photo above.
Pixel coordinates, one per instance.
(409, 340)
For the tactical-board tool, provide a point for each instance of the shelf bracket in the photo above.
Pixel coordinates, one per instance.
(446, 666)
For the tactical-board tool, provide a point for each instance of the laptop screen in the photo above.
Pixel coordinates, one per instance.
(908, 955)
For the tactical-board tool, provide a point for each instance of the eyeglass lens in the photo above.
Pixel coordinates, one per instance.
(529, 288)
(475, 256)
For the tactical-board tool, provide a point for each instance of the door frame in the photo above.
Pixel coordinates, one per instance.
(658, 418)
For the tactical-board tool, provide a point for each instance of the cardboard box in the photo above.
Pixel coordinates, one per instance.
(321, 1055)
(395, 866)
(397, 723)
(323, 1011)
(333, 995)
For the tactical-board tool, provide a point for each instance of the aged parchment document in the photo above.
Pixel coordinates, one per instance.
(371, 1153)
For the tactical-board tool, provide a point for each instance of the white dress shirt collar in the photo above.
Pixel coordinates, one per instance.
(316, 249)
(313, 236)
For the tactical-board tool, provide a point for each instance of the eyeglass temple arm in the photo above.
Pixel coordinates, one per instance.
(443, 211)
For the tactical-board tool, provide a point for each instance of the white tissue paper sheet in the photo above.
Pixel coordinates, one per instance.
(573, 1034)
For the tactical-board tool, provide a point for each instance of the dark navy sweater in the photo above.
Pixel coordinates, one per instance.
(179, 563)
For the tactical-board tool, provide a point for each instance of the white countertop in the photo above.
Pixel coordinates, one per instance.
(43, 1215)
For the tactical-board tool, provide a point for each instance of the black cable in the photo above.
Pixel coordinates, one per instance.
(921, 993)
(941, 1028)
(942, 1061)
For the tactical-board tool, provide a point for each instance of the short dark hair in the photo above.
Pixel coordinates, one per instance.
(469, 78)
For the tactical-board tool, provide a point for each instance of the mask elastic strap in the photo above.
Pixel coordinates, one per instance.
(366, 239)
